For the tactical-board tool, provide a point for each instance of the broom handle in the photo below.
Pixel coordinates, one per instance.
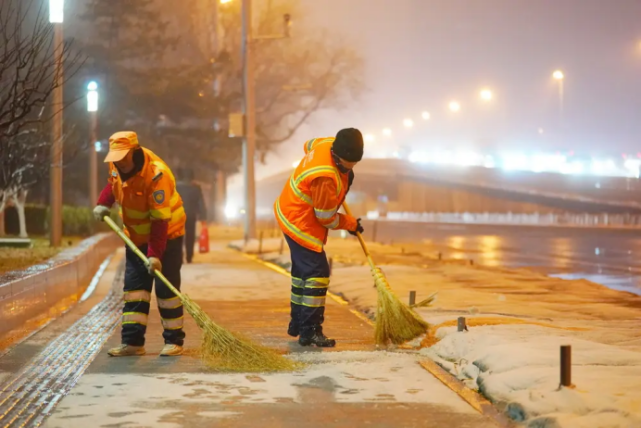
(361, 240)
(112, 224)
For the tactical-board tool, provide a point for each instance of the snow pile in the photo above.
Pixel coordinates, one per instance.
(517, 367)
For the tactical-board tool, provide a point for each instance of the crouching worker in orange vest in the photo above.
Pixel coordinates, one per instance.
(154, 218)
(306, 210)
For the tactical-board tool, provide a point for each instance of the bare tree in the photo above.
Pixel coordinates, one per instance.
(27, 81)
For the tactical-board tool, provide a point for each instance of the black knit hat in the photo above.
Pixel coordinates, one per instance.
(348, 145)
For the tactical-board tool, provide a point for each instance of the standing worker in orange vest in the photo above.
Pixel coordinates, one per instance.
(306, 210)
(154, 218)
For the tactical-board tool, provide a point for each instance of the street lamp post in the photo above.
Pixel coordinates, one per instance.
(249, 110)
(560, 77)
(56, 17)
(92, 108)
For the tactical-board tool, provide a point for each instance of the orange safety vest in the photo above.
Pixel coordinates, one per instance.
(149, 195)
(294, 208)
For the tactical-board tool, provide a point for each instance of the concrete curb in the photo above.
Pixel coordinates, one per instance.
(473, 398)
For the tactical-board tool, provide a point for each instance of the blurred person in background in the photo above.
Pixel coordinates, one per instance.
(195, 209)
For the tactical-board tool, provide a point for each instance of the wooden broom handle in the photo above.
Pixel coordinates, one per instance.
(361, 240)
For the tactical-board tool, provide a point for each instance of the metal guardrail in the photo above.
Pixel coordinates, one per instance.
(52, 286)
(535, 219)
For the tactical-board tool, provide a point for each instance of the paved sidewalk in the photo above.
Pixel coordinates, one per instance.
(348, 386)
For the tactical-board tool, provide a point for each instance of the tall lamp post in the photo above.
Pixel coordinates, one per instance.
(249, 111)
(560, 77)
(56, 17)
(92, 108)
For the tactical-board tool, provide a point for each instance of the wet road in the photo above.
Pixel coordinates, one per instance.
(608, 257)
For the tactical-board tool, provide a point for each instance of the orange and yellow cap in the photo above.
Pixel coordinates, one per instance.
(120, 144)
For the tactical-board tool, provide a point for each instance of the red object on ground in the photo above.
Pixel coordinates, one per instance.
(203, 240)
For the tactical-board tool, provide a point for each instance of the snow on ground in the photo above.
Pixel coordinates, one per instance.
(518, 319)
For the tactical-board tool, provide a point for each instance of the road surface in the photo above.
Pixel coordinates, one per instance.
(609, 257)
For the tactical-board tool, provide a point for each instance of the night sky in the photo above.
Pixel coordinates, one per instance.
(420, 54)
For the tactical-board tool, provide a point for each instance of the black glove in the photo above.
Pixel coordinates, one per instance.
(359, 228)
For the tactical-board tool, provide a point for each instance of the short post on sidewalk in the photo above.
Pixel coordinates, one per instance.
(282, 247)
(260, 243)
(412, 298)
(461, 324)
(331, 266)
(566, 366)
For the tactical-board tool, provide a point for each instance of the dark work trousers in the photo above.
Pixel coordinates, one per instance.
(190, 237)
(310, 281)
(138, 285)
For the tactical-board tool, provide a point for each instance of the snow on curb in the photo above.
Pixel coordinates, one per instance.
(517, 367)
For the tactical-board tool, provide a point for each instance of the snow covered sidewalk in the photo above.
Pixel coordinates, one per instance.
(517, 319)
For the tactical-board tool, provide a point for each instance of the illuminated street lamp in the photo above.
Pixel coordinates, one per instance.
(92, 108)
(486, 95)
(426, 115)
(455, 106)
(56, 17)
(560, 77)
(369, 138)
(387, 132)
(408, 123)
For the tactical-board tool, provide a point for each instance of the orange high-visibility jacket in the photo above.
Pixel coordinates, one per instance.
(147, 196)
(294, 209)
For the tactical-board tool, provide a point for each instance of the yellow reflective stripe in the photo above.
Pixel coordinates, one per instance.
(310, 144)
(172, 303)
(134, 318)
(172, 323)
(161, 214)
(296, 299)
(318, 169)
(296, 231)
(175, 198)
(177, 215)
(325, 214)
(317, 283)
(140, 229)
(297, 282)
(333, 224)
(313, 301)
(137, 296)
(298, 192)
(136, 215)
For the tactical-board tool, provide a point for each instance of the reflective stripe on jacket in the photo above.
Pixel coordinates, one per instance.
(147, 196)
(294, 209)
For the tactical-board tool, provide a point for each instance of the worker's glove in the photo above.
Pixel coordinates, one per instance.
(100, 212)
(359, 228)
(154, 265)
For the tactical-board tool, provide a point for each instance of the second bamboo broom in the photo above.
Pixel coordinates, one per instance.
(395, 322)
(221, 349)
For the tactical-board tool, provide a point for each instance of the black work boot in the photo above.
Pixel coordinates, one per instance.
(315, 337)
(293, 330)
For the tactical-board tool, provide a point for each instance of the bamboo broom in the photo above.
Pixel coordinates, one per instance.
(395, 322)
(221, 350)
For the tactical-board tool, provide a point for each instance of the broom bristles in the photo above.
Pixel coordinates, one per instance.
(225, 351)
(395, 322)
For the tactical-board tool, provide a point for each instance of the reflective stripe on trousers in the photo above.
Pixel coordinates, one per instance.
(172, 324)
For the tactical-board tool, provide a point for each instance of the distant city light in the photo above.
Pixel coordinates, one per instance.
(408, 123)
(369, 138)
(558, 75)
(387, 132)
(455, 106)
(98, 146)
(225, 1)
(486, 95)
(425, 115)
